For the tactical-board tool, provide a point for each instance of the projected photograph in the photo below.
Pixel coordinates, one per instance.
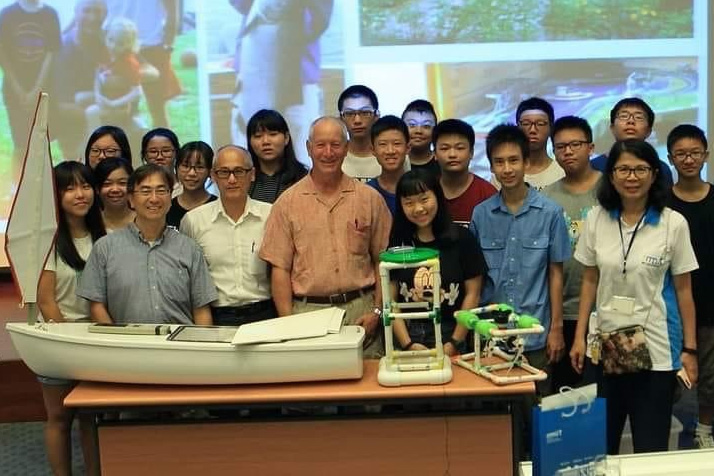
(487, 94)
(271, 55)
(129, 63)
(414, 22)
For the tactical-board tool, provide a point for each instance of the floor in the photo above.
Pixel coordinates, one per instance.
(22, 450)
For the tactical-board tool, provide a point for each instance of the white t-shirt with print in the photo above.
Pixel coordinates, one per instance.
(661, 249)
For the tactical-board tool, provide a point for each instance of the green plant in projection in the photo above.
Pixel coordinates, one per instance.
(183, 111)
(610, 19)
(468, 21)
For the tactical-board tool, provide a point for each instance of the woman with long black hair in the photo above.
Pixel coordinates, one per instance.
(271, 148)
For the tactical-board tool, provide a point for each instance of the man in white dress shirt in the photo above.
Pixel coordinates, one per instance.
(230, 231)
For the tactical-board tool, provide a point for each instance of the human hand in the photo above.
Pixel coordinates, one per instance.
(689, 362)
(369, 321)
(555, 345)
(450, 349)
(577, 355)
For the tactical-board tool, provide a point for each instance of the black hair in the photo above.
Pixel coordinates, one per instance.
(119, 136)
(572, 122)
(538, 104)
(421, 106)
(413, 183)
(636, 102)
(455, 127)
(357, 90)
(199, 148)
(506, 134)
(145, 171)
(686, 131)
(158, 132)
(66, 174)
(389, 123)
(607, 194)
(104, 169)
(271, 120)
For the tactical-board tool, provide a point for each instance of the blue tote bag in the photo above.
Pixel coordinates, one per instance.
(569, 440)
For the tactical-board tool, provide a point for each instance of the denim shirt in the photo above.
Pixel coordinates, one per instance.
(518, 249)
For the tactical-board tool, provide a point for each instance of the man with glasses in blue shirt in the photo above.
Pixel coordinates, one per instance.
(230, 232)
(359, 109)
(631, 118)
(148, 272)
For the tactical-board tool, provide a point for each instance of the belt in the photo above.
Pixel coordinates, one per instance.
(250, 308)
(340, 298)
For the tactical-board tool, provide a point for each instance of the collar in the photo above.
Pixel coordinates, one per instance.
(652, 216)
(140, 236)
(251, 208)
(533, 200)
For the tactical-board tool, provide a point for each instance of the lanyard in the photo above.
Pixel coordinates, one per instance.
(625, 254)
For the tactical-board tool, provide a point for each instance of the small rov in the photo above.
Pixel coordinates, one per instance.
(503, 331)
(411, 367)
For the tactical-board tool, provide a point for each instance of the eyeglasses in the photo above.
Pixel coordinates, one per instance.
(199, 169)
(160, 191)
(623, 172)
(537, 124)
(165, 152)
(625, 116)
(108, 152)
(239, 172)
(362, 113)
(694, 154)
(575, 145)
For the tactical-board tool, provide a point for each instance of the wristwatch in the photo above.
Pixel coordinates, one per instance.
(690, 351)
(377, 312)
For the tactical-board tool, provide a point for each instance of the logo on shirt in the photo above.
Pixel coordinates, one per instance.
(423, 290)
(575, 226)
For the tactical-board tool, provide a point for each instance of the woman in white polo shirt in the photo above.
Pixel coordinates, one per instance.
(638, 258)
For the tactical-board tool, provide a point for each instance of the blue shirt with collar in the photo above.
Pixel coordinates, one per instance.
(518, 249)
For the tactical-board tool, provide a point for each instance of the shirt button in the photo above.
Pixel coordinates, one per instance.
(513, 238)
(535, 242)
(156, 307)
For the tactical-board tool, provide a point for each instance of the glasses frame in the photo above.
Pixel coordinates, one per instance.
(186, 168)
(693, 154)
(637, 117)
(539, 124)
(640, 172)
(362, 113)
(160, 152)
(575, 145)
(237, 173)
(99, 152)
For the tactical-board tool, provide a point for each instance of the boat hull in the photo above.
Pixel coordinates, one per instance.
(70, 351)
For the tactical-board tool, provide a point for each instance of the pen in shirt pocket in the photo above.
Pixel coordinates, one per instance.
(252, 247)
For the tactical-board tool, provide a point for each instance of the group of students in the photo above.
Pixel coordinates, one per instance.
(238, 259)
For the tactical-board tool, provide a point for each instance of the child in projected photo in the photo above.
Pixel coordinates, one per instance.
(117, 85)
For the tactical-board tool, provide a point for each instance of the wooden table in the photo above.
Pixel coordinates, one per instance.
(485, 439)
